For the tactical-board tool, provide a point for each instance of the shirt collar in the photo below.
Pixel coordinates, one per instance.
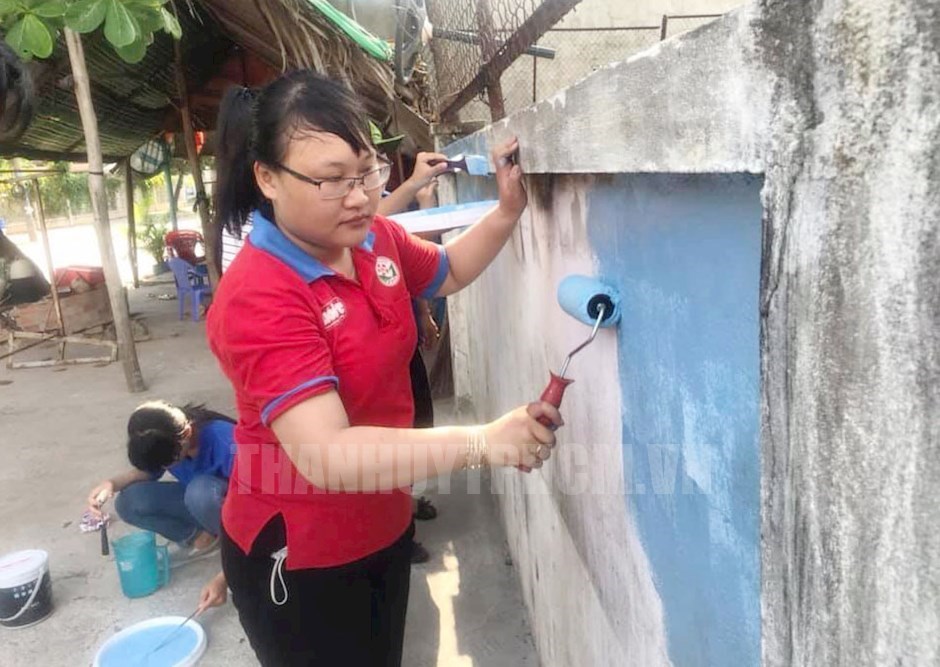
(266, 236)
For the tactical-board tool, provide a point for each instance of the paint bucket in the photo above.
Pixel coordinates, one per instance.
(143, 567)
(134, 645)
(25, 588)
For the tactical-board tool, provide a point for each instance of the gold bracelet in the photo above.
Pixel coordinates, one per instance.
(477, 450)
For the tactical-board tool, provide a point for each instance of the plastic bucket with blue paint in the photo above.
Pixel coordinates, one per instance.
(134, 646)
(25, 588)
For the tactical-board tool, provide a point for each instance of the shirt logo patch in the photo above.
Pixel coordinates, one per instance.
(387, 271)
(333, 313)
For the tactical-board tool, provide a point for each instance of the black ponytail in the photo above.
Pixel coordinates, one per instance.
(258, 126)
(236, 192)
(198, 414)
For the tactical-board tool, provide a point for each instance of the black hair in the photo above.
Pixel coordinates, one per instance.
(156, 429)
(257, 126)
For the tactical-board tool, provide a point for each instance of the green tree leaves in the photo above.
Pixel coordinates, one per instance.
(51, 9)
(33, 25)
(120, 27)
(30, 37)
(170, 24)
(85, 15)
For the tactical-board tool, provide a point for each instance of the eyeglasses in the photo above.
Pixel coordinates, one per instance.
(338, 188)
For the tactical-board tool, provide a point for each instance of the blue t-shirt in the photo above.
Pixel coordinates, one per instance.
(215, 456)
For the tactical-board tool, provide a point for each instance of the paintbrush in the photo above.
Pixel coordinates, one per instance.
(101, 499)
(166, 640)
(105, 549)
(475, 165)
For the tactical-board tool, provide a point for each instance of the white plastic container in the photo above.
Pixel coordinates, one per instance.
(168, 622)
(25, 588)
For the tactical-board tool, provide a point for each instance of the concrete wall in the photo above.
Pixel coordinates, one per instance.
(850, 301)
(834, 110)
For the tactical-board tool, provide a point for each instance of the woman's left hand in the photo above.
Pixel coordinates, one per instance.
(428, 331)
(424, 172)
(512, 194)
(213, 594)
(427, 196)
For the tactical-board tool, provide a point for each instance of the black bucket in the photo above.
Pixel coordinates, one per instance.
(25, 588)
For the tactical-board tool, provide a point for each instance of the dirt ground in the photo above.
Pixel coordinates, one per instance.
(61, 431)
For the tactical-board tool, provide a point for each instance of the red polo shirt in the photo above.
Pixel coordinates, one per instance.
(285, 328)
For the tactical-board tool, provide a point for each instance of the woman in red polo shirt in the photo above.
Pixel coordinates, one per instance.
(313, 326)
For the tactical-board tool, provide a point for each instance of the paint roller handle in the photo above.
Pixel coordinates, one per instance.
(553, 393)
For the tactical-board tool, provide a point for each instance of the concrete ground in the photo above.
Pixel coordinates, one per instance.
(62, 431)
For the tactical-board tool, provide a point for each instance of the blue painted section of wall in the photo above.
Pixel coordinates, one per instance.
(685, 253)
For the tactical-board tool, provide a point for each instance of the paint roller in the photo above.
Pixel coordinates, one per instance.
(590, 301)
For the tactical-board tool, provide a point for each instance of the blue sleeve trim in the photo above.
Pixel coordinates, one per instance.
(443, 268)
(270, 407)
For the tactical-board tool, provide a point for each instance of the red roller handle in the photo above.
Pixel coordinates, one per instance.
(554, 392)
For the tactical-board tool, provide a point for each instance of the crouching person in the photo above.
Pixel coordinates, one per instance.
(196, 446)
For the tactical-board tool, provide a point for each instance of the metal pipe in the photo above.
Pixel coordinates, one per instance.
(602, 310)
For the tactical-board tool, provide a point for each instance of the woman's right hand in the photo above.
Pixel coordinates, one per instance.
(519, 439)
(99, 496)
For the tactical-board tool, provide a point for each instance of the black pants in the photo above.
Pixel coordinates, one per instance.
(353, 614)
(421, 392)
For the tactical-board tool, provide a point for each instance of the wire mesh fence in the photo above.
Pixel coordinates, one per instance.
(473, 29)
(468, 34)
(678, 24)
(578, 53)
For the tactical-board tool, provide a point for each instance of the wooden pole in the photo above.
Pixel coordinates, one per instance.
(127, 350)
(535, 80)
(168, 177)
(209, 232)
(177, 188)
(547, 14)
(47, 249)
(30, 220)
(488, 47)
(131, 222)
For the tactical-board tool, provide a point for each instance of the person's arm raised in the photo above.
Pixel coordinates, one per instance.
(400, 198)
(473, 250)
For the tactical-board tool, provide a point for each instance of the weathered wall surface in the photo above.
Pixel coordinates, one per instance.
(851, 334)
(693, 104)
(603, 527)
(837, 105)
(584, 575)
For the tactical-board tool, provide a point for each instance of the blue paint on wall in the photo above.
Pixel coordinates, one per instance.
(685, 253)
